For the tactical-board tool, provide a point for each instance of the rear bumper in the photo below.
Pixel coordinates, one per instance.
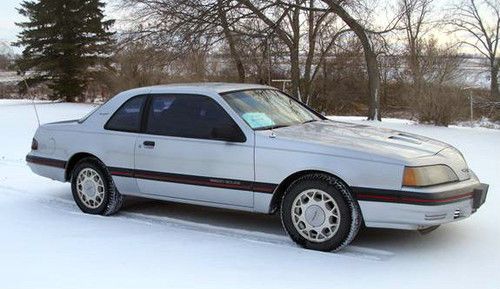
(45, 167)
(415, 209)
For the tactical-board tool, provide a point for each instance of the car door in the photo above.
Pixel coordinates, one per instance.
(116, 145)
(192, 150)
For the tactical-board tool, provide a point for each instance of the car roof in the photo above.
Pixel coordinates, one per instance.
(218, 87)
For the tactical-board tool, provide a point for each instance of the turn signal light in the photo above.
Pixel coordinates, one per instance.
(409, 178)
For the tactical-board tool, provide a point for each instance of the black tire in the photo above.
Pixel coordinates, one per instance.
(348, 209)
(112, 201)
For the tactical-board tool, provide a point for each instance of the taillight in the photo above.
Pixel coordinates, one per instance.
(34, 144)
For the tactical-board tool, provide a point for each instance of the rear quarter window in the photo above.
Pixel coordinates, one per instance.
(128, 116)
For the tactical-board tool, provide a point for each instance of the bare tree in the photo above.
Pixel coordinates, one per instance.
(415, 14)
(360, 28)
(231, 37)
(322, 32)
(480, 20)
(338, 8)
(284, 21)
(440, 100)
(134, 64)
(188, 25)
(440, 64)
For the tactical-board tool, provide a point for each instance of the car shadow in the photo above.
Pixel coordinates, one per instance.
(225, 218)
(373, 238)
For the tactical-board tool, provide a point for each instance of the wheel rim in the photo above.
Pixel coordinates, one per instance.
(90, 188)
(315, 215)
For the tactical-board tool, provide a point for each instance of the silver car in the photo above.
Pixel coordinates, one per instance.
(253, 148)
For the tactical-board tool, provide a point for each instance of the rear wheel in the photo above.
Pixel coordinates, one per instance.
(319, 213)
(93, 189)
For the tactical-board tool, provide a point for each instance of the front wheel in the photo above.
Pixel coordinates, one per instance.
(93, 189)
(318, 212)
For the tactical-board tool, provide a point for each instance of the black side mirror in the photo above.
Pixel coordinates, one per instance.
(231, 133)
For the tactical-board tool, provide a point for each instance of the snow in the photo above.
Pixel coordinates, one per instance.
(482, 122)
(46, 242)
(9, 76)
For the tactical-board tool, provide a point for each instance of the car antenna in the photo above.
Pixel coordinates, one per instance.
(32, 101)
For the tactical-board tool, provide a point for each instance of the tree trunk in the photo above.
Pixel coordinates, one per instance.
(370, 57)
(373, 83)
(307, 82)
(265, 65)
(295, 55)
(231, 41)
(415, 68)
(295, 71)
(494, 90)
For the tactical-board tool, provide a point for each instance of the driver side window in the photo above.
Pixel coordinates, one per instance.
(188, 116)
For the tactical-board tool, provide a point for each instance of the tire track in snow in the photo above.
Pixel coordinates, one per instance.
(239, 234)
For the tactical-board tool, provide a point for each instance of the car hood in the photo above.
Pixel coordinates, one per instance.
(364, 138)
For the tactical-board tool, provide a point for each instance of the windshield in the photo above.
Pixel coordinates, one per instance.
(266, 108)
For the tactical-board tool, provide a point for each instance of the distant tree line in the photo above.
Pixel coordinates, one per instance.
(339, 56)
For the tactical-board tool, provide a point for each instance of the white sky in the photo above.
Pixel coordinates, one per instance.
(9, 16)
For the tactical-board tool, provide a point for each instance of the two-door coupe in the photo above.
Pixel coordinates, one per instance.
(253, 148)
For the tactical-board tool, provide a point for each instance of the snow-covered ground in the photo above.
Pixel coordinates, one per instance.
(9, 76)
(46, 242)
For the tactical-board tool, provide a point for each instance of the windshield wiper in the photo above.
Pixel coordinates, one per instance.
(272, 127)
(282, 125)
(308, 121)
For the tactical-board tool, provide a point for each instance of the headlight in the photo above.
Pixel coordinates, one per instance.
(428, 176)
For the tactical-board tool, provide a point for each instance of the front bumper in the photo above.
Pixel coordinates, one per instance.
(415, 209)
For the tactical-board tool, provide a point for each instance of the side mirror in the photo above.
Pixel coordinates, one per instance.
(231, 133)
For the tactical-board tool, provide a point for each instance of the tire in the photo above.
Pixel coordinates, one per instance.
(318, 212)
(91, 178)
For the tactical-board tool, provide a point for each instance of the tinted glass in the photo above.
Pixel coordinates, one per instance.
(266, 108)
(190, 116)
(128, 116)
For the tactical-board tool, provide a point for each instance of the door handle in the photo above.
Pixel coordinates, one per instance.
(149, 144)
